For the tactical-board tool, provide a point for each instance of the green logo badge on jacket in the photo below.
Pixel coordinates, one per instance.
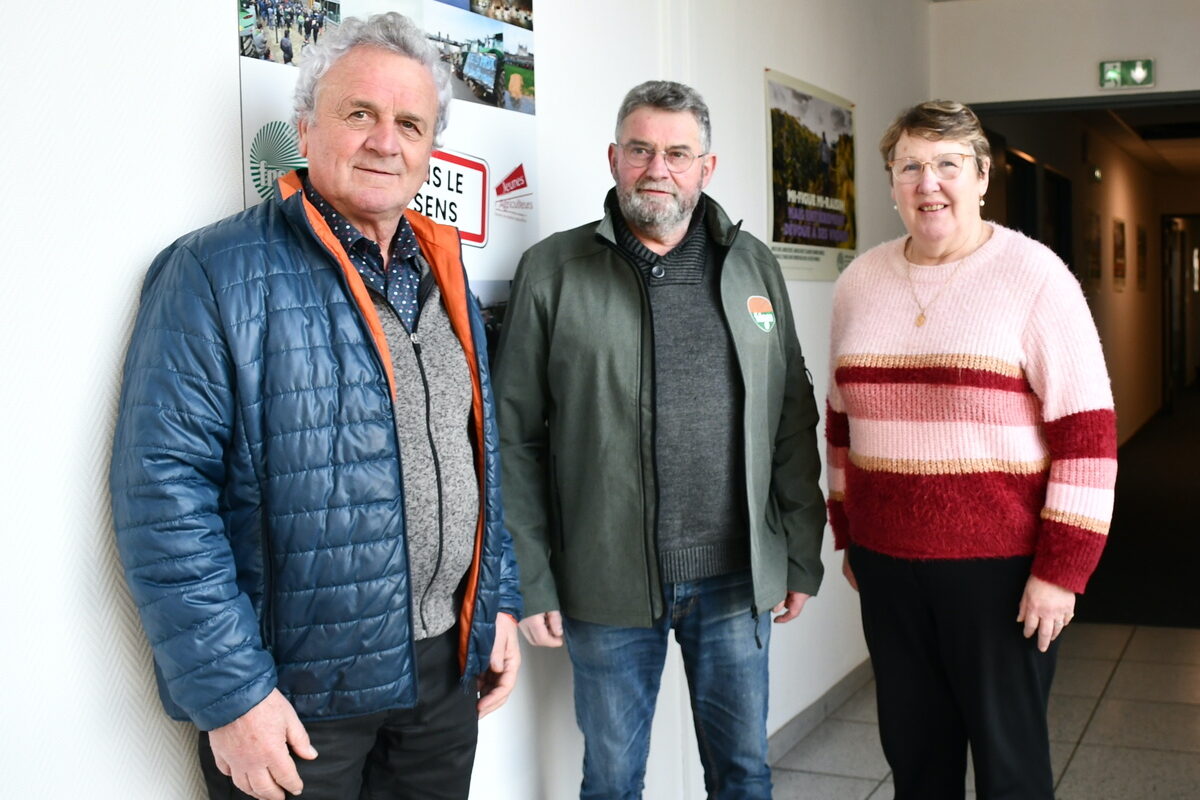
(762, 312)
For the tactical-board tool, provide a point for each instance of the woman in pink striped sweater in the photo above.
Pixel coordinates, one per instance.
(972, 456)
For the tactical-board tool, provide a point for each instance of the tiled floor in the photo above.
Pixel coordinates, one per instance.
(1124, 725)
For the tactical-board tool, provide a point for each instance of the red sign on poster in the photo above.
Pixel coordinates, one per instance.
(514, 181)
(455, 193)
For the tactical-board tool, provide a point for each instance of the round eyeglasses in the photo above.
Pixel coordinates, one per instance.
(677, 159)
(946, 166)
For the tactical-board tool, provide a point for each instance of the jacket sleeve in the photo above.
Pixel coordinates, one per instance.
(169, 467)
(522, 401)
(510, 585)
(508, 582)
(796, 465)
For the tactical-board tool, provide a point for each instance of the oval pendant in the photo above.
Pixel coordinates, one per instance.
(920, 319)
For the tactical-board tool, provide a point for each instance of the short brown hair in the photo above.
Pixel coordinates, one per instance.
(936, 120)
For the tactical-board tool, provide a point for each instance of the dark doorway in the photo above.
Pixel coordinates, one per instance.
(1181, 254)
(1022, 195)
(1056, 214)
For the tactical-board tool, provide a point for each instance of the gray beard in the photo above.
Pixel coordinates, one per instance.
(655, 218)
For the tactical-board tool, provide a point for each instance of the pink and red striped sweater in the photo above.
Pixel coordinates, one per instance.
(988, 431)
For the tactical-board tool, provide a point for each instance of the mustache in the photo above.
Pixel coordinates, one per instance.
(655, 186)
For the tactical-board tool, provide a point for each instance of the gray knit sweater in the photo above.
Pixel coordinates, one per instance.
(702, 528)
(441, 492)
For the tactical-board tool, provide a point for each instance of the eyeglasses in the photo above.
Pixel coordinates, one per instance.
(946, 166)
(677, 159)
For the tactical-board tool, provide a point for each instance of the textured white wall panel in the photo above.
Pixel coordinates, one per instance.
(120, 134)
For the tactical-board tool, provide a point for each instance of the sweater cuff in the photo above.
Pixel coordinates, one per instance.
(1066, 556)
(838, 522)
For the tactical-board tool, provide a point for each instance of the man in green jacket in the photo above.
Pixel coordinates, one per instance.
(658, 443)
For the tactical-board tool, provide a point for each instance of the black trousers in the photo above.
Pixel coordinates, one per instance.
(952, 667)
(421, 753)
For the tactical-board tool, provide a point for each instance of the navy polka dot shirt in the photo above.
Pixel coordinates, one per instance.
(400, 282)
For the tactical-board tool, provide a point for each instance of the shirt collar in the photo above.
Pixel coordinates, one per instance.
(404, 243)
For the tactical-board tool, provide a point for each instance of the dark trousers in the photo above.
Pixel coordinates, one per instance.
(952, 667)
(422, 753)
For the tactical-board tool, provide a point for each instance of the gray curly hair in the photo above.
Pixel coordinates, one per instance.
(393, 32)
(667, 96)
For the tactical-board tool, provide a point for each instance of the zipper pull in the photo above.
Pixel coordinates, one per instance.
(416, 342)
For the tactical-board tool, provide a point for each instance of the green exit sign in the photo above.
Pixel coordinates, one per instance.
(1132, 74)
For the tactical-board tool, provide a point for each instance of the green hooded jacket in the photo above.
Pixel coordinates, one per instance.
(574, 387)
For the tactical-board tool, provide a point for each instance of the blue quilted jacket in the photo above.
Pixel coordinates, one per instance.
(256, 484)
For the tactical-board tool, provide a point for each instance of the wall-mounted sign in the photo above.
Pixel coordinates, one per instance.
(1135, 74)
(814, 229)
(455, 193)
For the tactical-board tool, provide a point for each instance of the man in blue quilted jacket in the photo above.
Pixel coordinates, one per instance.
(305, 470)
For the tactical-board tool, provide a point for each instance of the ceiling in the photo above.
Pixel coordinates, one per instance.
(1160, 131)
(1166, 138)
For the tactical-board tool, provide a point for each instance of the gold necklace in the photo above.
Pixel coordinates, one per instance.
(921, 318)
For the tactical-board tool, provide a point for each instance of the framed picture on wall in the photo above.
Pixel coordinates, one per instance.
(1141, 258)
(1119, 254)
(810, 144)
(1093, 246)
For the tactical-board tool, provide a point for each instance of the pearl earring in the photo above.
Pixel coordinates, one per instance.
(895, 207)
(982, 202)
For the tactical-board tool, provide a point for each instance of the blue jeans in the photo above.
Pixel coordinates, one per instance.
(617, 676)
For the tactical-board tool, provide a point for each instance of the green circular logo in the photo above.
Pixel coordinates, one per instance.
(274, 152)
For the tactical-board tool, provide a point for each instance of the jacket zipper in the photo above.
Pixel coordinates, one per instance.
(645, 295)
(267, 626)
(725, 247)
(437, 472)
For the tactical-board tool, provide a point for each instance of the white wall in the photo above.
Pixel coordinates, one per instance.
(989, 51)
(122, 134)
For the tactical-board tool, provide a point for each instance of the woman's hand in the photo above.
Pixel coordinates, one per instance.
(848, 571)
(1046, 609)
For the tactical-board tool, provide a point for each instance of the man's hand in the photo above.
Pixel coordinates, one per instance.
(792, 605)
(1046, 609)
(543, 630)
(253, 749)
(496, 684)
